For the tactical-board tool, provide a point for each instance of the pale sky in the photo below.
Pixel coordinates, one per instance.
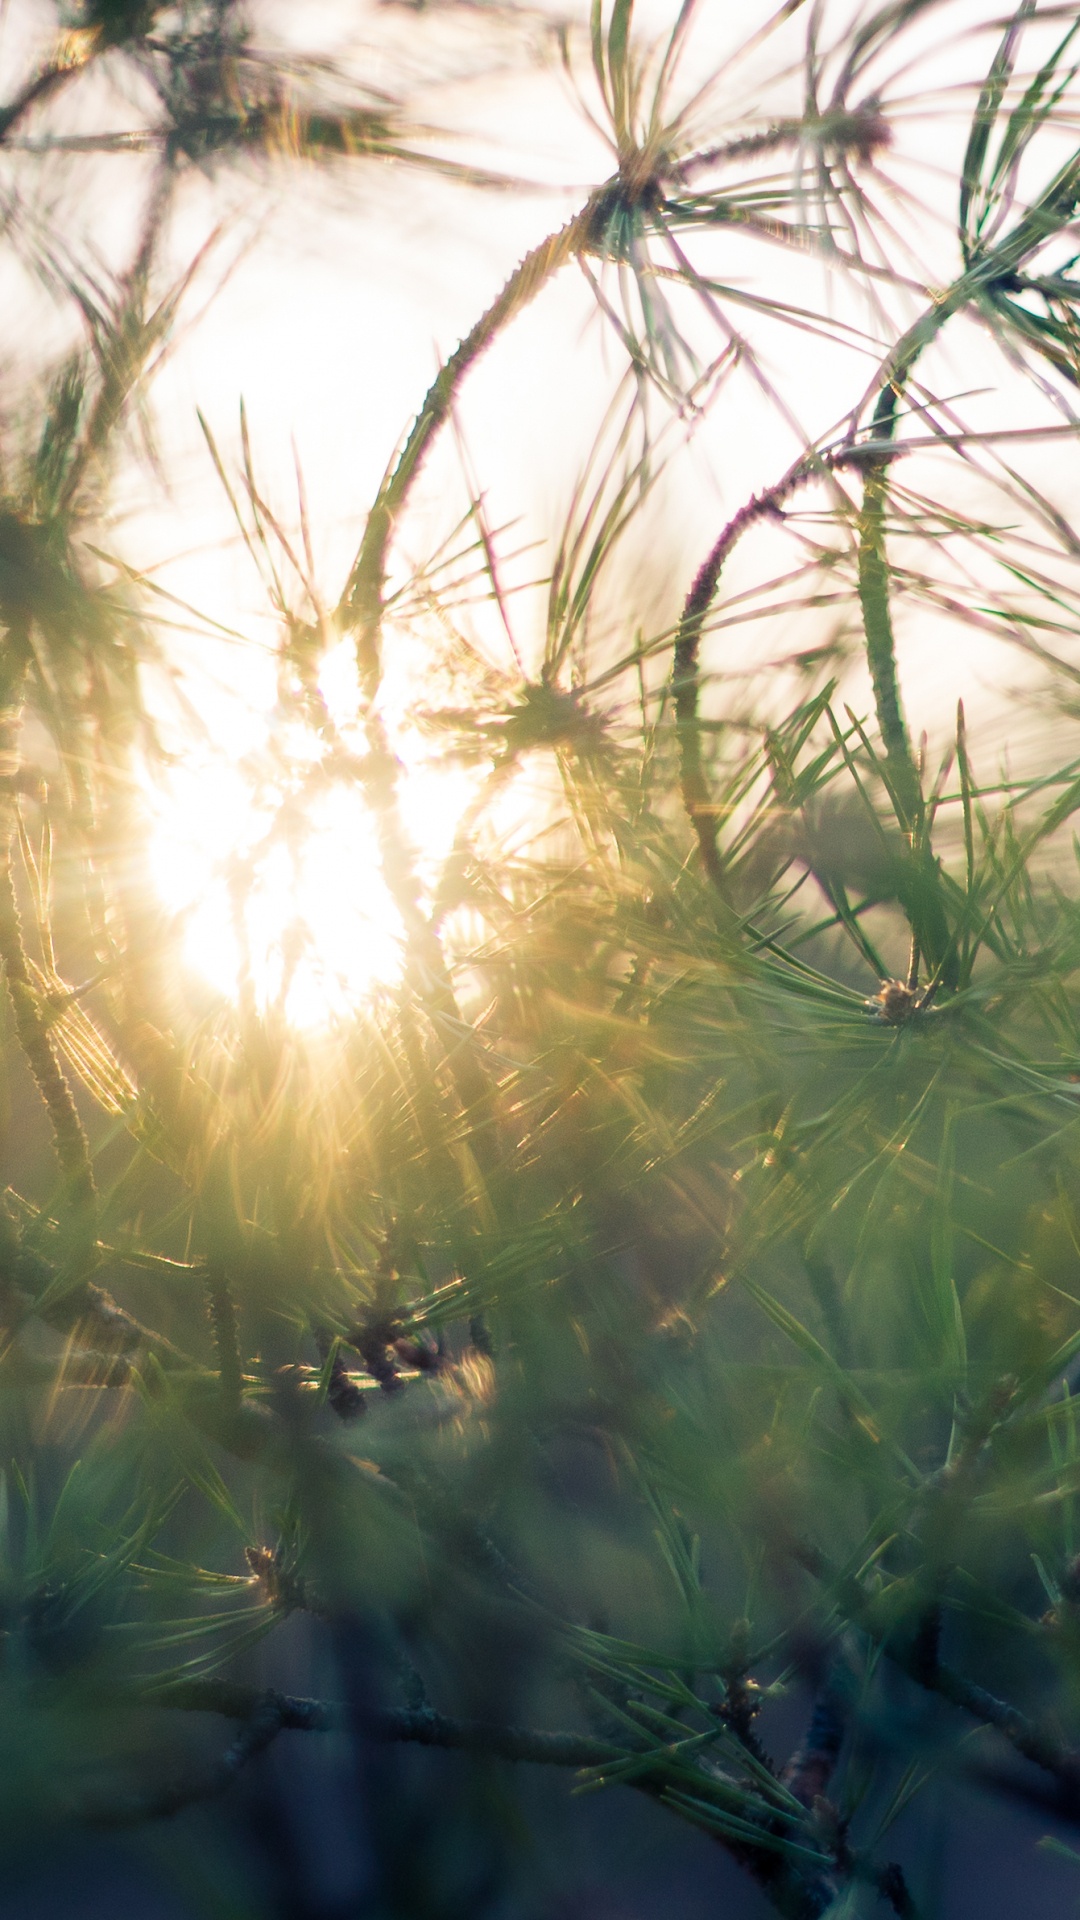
(332, 291)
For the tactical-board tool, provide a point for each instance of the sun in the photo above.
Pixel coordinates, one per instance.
(297, 916)
(269, 860)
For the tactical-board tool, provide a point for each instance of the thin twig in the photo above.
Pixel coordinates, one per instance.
(685, 676)
(793, 1893)
(874, 595)
(1036, 1742)
(48, 81)
(222, 1310)
(361, 608)
(261, 1727)
(422, 1725)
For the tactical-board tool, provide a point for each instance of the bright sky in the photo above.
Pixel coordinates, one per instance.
(325, 302)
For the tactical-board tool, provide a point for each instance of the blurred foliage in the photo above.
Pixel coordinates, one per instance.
(665, 1299)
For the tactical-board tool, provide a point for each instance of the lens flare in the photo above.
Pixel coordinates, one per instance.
(271, 861)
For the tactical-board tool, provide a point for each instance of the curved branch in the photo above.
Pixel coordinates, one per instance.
(881, 645)
(49, 80)
(873, 456)
(361, 606)
(921, 898)
(361, 609)
(685, 678)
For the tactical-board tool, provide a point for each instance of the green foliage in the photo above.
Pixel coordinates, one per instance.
(673, 1280)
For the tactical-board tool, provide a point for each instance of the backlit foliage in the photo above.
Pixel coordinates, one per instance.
(658, 1297)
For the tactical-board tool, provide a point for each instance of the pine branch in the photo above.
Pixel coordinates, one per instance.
(226, 1333)
(685, 676)
(42, 86)
(261, 1727)
(421, 1726)
(874, 590)
(1036, 1742)
(361, 607)
(795, 1894)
